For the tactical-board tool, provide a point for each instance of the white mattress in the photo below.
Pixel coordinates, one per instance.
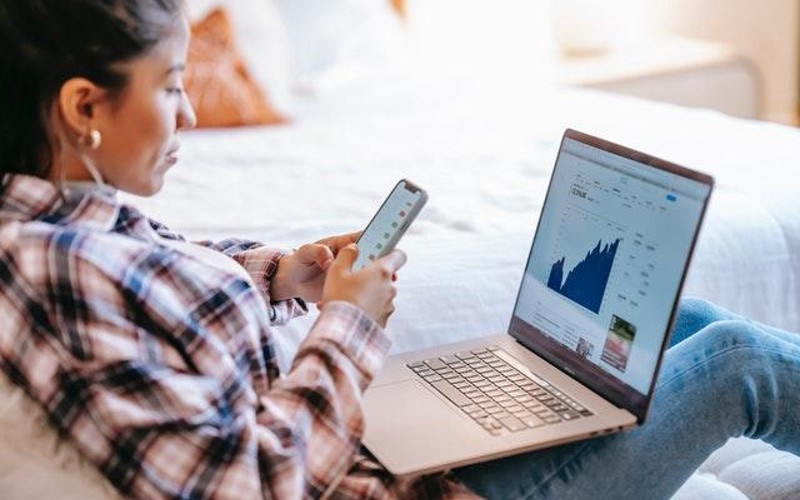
(485, 157)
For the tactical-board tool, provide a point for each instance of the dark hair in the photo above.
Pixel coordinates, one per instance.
(44, 43)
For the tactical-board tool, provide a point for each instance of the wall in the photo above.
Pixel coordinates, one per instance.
(765, 31)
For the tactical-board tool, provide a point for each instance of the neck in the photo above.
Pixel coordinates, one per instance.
(69, 169)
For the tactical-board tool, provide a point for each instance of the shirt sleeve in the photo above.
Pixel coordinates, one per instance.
(260, 262)
(160, 379)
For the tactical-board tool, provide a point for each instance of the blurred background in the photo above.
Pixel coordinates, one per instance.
(738, 57)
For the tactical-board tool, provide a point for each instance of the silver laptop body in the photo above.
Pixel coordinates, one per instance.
(588, 332)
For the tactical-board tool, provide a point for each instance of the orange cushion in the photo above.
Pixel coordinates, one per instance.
(217, 83)
(400, 7)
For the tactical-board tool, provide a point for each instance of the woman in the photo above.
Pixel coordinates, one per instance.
(156, 357)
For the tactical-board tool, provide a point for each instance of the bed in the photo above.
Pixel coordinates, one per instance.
(484, 151)
(486, 170)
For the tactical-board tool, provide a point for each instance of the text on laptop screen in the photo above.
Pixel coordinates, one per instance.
(608, 259)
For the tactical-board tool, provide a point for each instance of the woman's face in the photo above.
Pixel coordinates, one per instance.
(139, 126)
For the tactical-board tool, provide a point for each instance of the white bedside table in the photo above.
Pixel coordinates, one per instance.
(675, 70)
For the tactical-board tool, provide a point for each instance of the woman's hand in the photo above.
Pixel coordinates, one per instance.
(302, 273)
(371, 288)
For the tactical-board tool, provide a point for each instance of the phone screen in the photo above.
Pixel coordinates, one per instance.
(388, 225)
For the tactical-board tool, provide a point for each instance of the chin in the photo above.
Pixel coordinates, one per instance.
(147, 187)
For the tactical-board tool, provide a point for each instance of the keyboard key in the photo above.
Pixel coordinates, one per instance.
(470, 408)
(472, 394)
(534, 405)
(532, 421)
(435, 364)
(513, 424)
(451, 393)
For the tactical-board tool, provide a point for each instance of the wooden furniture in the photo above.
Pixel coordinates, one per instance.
(681, 71)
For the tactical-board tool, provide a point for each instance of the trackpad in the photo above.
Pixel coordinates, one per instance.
(408, 415)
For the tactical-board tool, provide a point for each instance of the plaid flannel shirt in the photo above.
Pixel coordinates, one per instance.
(161, 369)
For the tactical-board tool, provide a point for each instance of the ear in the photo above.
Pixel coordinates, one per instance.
(77, 102)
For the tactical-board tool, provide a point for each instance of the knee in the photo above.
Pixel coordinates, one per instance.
(693, 315)
(694, 307)
(728, 334)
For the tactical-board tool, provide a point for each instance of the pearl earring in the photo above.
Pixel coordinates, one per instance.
(93, 139)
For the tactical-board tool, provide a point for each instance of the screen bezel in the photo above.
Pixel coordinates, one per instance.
(612, 389)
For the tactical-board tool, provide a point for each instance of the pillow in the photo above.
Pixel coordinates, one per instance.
(328, 35)
(34, 461)
(400, 7)
(262, 42)
(217, 83)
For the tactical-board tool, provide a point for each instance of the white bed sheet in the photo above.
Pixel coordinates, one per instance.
(485, 156)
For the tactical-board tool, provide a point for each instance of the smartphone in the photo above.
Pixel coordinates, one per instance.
(383, 232)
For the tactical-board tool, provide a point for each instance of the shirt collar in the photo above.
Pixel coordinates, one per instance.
(27, 198)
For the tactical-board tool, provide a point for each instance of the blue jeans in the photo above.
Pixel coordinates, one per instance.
(723, 376)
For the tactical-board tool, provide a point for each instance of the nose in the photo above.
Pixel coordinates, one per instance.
(187, 119)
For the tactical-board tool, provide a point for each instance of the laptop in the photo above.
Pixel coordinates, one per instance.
(587, 334)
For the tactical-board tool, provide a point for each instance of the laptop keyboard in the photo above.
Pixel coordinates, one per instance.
(494, 393)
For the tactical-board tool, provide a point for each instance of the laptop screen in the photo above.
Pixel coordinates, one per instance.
(606, 266)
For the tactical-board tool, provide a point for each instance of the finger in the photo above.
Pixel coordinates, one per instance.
(323, 256)
(393, 261)
(336, 243)
(313, 253)
(344, 259)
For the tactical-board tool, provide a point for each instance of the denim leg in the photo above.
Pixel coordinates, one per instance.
(695, 314)
(732, 378)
